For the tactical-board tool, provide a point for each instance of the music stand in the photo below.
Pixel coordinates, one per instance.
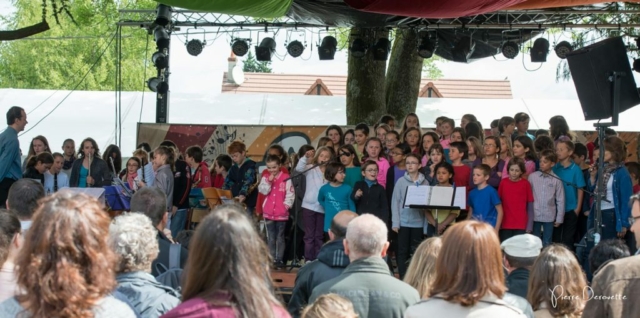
(452, 207)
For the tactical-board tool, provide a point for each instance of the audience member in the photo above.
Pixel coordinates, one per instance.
(229, 276)
(469, 278)
(153, 203)
(184, 238)
(66, 266)
(520, 252)
(422, 270)
(605, 252)
(330, 306)
(330, 263)
(23, 200)
(557, 287)
(11, 241)
(133, 238)
(367, 281)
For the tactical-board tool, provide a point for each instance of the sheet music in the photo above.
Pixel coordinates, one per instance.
(441, 196)
(460, 200)
(417, 195)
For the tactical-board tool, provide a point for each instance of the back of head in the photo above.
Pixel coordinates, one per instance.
(340, 222)
(366, 236)
(469, 265)
(606, 251)
(557, 266)
(330, 306)
(152, 202)
(133, 238)
(228, 255)
(9, 227)
(422, 270)
(23, 197)
(66, 250)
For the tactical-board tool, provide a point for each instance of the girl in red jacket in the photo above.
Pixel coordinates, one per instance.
(279, 198)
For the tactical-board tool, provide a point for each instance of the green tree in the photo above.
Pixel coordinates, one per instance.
(58, 58)
(251, 65)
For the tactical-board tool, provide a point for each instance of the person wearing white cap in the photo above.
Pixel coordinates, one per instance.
(520, 252)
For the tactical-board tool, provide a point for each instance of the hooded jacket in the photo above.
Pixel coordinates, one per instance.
(330, 263)
(146, 294)
(401, 216)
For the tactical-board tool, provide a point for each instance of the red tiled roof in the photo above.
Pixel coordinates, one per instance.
(268, 83)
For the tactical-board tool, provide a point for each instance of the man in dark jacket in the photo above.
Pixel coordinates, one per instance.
(520, 252)
(367, 282)
(153, 203)
(330, 263)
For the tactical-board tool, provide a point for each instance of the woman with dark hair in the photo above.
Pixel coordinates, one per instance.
(559, 129)
(491, 148)
(228, 272)
(181, 189)
(89, 171)
(113, 154)
(618, 188)
(349, 137)
(334, 132)
(469, 276)
(473, 129)
(66, 268)
(39, 144)
(11, 242)
(131, 173)
(37, 166)
(467, 119)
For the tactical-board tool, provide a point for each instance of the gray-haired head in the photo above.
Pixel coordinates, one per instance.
(133, 238)
(366, 236)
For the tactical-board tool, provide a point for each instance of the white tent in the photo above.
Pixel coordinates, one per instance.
(92, 114)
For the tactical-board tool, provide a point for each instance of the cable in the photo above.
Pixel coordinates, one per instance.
(144, 77)
(75, 87)
(46, 99)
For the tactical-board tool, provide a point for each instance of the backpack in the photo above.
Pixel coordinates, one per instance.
(171, 276)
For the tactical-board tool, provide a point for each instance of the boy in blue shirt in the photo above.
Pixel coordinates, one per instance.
(484, 202)
(572, 177)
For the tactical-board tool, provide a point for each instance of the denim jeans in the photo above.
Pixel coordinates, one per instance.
(275, 236)
(543, 230)
(178, 222)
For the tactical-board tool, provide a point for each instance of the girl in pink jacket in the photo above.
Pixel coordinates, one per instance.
(275, 209)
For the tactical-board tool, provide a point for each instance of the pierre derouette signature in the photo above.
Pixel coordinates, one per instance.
(557, 293)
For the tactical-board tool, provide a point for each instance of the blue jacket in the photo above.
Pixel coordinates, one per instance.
(622, 191)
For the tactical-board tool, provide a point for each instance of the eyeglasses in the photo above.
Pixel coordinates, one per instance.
(371, 170)
(632, 219)
(411, 163)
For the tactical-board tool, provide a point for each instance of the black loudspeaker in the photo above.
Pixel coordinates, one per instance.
(590, 69)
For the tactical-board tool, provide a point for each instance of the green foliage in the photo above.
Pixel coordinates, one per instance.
(58, 58)
(251, 65)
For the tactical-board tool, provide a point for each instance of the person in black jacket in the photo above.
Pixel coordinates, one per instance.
(520, 252)
(330, 263)
(368, 195)
(37, 165)
(242, 178)
(89, 170)
(181, 190)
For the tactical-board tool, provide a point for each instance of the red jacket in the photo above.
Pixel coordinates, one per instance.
(199, 308)
(261, 197)
(279, 196)
(201, 178)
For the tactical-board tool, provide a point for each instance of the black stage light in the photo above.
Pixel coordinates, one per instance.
(265, 50)
(194, 47)
(240, 47)
(510, 49)
(427, 47)
(157, 85)
(327, 49)
(161, 37)
(358, 48)
(539, 50)
(562, 49)
(295, 48)
(381, 49)
(160, 60)
(163, 15)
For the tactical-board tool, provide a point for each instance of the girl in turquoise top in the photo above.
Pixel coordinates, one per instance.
(348, 158)
(334, 196)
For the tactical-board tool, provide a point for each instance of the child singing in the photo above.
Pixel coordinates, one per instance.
(369, 195)
(444, 176)
(334, 196)
(517, 201)
(372, 151)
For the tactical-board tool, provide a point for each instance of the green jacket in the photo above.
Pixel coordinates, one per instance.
(371, 288)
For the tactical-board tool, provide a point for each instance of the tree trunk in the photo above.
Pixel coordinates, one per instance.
(24, 32)
(403, 76)
(366, 81)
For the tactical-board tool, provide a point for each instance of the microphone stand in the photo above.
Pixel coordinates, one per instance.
(295, 261)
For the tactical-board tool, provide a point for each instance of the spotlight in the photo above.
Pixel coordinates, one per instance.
(636, 65)
(427, 47)
(463, 50)
(539, 50)
(157, 85)
(161, 37)
(327, 49)
(163, 15)
(562, 49)
(194, 47)
(240, 47)
(160, 60)
(358, 48)
(265, 50)
(295, 48)
(381, 49)
(510, 49)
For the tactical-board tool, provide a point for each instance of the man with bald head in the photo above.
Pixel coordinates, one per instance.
(330, 263)
(367, 281)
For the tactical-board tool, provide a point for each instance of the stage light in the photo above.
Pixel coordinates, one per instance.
(327, 49)
(463, 50)
(539, 50)
(358, 48)
(240, 47)
(194, 47)
(427, 47)
(510, 49)
(162, 38)
(163, 15)
(157, 85)
(636, 65)
(265, 50)
(160, 60)
(295, 48)
(381, 49)
(562, 49)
